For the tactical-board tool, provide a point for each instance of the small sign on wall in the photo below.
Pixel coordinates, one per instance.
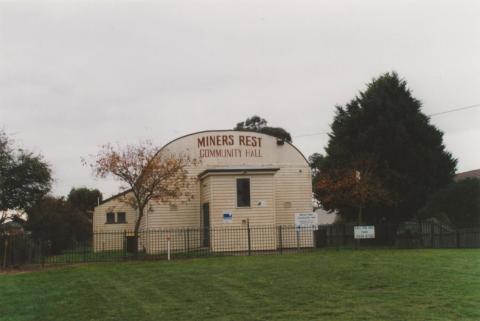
(227, 217)
(364, 232)
(306, 220)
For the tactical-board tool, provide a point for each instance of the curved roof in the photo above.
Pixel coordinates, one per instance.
(207, 132)
(229, 130)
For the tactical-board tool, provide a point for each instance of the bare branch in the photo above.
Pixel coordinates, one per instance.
(150, 175)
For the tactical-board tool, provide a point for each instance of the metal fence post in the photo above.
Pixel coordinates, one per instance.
(168, 246)
(12, 251)
(5, 252)
(440, 245)
(84, 251)
(184, 240)
(248, 238)
(420, 233)
(125, 244)
(432, 235)
(457, 234)
(42, 253)
(297, 233)
(280, 240)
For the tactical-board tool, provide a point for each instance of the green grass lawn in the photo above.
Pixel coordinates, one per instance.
(320, 285)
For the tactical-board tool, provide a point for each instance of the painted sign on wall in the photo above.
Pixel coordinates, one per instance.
(227, 217)
(224, 146)
(306, 220)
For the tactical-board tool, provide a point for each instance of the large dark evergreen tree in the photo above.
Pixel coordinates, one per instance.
(316, 161)
(384, 125)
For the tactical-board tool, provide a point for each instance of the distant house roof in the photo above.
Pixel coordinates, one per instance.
(470, 174)
(12, 228)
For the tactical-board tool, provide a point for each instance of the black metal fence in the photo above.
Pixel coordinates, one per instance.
(179, 243)
(403, 235)
(159, 244)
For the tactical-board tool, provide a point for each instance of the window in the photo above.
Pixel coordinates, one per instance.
(110, 218)
(243, 192)
(121, 218)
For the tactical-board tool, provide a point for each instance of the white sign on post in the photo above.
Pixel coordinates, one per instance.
(364, 232)
(306, 220)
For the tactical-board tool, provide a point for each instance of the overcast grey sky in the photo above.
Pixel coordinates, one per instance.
(77, 74)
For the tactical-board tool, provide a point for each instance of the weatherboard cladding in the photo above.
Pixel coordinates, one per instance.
(261, 189)
(280, 183)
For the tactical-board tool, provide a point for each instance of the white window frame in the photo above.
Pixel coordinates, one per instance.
(236, 191)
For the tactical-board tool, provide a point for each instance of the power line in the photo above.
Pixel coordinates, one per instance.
(314, 134)
(431, 115)
(454, 110)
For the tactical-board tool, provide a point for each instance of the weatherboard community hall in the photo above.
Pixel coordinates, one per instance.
(241, 178)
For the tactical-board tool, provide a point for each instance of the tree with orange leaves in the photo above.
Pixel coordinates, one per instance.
(147, 174)
(353, 187)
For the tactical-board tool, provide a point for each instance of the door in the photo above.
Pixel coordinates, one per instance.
(206, 224)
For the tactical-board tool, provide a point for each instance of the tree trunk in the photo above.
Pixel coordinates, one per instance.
(360, 215)
(137, 227)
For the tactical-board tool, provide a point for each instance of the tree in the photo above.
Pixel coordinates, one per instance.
(55, 220)
(258, 124)
(459, 202)
(84, 199)
(316, 161)
(147, 173)
(351, 190)
(24, 178)
(384, 124)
